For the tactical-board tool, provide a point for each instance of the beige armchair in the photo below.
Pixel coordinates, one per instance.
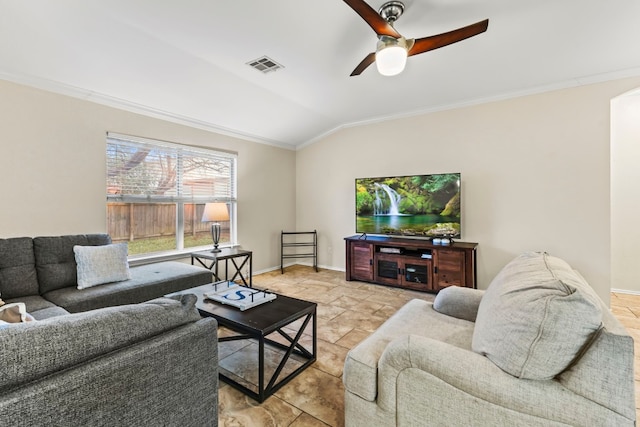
(539, 348)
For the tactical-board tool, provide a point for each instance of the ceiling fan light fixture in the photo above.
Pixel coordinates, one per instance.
(391, 55)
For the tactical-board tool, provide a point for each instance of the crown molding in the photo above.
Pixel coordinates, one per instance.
(123, 104)
(582, 81)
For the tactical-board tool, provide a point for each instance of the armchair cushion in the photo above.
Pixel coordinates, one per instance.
(458, 302)
(536, 317)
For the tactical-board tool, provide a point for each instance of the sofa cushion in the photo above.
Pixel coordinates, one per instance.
(66, 341)
(17, 268)
(46, 313)
(39, 307)
(34, 303)
(147, 282)
(101, 264)
(536, 317)
(55, 259)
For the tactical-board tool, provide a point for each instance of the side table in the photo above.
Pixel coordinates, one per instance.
(210, 260)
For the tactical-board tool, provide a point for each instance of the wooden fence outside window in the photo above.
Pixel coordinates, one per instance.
(131, 221)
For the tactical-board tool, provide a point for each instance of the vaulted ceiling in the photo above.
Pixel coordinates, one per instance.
(187, 60)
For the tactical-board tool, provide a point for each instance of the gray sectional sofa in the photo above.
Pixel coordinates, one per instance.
(538, 348)
(41, 272)
(113, 354)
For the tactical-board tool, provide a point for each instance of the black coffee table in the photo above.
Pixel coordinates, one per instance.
(257, 323)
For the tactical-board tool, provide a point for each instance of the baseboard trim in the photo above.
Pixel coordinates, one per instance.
(625, 291)
(324, 267)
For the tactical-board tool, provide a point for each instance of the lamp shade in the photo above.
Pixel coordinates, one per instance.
(214, 212)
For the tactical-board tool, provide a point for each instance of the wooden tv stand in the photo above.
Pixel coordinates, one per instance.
(410, 263)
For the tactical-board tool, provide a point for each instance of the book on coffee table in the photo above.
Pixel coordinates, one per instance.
(242, 297)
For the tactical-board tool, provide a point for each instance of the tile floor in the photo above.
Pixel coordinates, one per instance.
(347, 313)
(626, 308)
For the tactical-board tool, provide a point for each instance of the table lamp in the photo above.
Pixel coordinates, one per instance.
(214, 213)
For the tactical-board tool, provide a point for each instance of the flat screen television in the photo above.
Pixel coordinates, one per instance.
(415, 205)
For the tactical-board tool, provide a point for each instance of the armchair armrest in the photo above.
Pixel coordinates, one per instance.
(458, 302)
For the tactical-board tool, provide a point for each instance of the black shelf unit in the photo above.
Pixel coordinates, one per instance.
(310, 242)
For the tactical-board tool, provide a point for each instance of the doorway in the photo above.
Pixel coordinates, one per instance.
(625, 192)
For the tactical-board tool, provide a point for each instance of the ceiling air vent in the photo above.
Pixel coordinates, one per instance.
(265, 64)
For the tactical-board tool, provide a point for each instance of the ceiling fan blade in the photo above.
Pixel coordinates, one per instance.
(426, 44)
(368, 60)
(371, 17)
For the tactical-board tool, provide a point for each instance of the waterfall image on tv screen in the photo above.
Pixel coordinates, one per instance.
(418, 205)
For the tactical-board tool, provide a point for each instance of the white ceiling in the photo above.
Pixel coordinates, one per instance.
(185, 60)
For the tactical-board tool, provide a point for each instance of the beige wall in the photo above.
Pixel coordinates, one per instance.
(52, 169)
(625, 192)
(535, 176)
(535, 172)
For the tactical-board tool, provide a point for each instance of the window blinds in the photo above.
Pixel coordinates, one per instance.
(143, 170)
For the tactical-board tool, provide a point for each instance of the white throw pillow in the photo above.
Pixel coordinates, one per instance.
(101, 264)
(536, 317)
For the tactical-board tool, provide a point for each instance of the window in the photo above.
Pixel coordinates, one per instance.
(156, 193)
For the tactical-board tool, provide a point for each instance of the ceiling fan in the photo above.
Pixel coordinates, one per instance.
(393, 49)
